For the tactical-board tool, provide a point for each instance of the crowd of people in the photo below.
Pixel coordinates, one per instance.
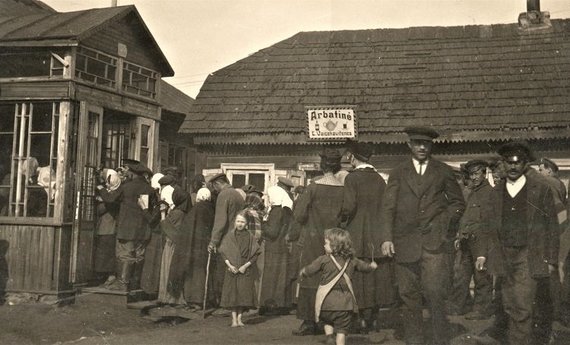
(350, 244)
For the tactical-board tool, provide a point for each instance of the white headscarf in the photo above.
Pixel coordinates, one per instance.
(112, 179)
(278, 196)
(154, 180)
(166, 195)
(46, 179)
(203, 194)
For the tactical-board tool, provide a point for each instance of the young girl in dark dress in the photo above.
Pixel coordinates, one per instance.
(335, 303)
(239, 250)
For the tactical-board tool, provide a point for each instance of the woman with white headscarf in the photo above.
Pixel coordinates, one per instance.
(192, 252)
(150, 279)
(275, 296)
(104, 257)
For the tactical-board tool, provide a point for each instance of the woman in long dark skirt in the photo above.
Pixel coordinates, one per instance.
(104, 262)
(274, 288)
(316, 210)
(192, 252)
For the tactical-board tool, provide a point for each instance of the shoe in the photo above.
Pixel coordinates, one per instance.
(477, 315)
(108, 282)
(118, 285)
(306, 328)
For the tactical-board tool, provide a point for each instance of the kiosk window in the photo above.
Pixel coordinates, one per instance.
(28, 158)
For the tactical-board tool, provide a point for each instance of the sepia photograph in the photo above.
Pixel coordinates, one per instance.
(338, 172)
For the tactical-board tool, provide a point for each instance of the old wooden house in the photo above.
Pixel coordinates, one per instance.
(477, 85)
(78, 90)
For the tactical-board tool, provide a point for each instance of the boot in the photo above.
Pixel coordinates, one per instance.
(122, 281)
(135, 283)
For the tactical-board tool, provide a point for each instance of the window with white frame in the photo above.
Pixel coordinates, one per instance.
(28, 158)
(259, 175)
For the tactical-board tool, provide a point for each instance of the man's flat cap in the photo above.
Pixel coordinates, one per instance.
(475, 165)
(421, 133)
(285, 181)
(549, 164)
(136, 166)
(219, 176)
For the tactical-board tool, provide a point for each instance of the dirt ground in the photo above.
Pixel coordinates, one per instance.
(102, 319)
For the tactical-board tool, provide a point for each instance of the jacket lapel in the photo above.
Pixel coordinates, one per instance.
(412, 178)
(500, 191)
(532, 200)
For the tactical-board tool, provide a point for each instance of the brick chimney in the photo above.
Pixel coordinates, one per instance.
(533, 18)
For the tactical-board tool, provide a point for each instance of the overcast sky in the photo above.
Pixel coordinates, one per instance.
(199, 37)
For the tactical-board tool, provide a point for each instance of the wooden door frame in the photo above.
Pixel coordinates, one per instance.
(83, 126)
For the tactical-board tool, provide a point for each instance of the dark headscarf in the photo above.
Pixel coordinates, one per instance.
(255, 202)
(180, 199)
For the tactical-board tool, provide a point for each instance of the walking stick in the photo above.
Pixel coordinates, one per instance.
(206, 285)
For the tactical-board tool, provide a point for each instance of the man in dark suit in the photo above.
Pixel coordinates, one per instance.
(522, 244)
(422, 206)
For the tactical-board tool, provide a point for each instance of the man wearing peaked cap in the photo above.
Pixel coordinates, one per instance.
(136, 199)
(220, 176)
(472, 229)
(285, 182)
(516, 151)
(549, 169)
(361, 216)
(421, 210)
(523, 242)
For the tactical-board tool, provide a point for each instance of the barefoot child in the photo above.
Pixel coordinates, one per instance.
(335, 302)
(239, 249)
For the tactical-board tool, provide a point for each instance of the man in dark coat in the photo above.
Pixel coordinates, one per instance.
(228, 204)
(422, 206)
(360, 214)
(136, 200)
(522, 244)
(472, 228)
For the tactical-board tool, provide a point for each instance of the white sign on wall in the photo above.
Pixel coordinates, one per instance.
(331, 123)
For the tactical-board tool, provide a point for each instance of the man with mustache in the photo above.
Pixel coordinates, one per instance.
(522, 244)
(421, 209)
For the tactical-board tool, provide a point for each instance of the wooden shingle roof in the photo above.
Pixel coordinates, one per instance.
(28, 26)
(481, 81)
